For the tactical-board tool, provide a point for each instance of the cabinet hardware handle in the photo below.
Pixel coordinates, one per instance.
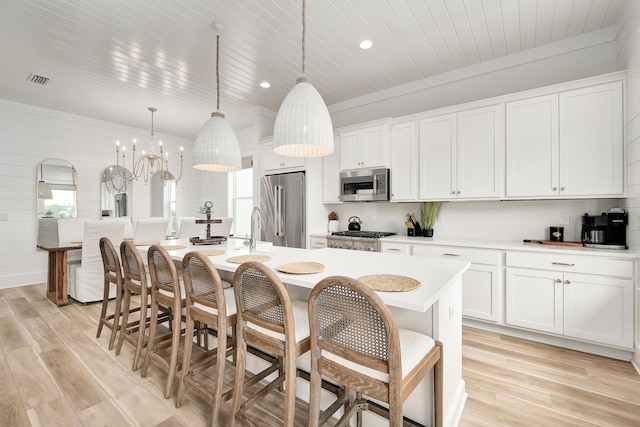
(554, 189)
(459, 191)
(394, 249)
(453, 192)
(567, 282)
(558, 281)
(563, 188)
(446, 254)
(567, 264)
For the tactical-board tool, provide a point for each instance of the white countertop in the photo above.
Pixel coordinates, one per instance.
(434, 274)
(509, 245)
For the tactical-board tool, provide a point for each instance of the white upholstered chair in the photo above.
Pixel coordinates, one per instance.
(151, 229)
(223, 228)
(128, 227)
(86, 279)
(71, 230)
(189, 228)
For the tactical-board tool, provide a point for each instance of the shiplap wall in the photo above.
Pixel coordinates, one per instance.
(628, 41)
(29, 135)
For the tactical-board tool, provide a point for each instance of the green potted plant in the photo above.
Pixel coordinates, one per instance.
(429, 212)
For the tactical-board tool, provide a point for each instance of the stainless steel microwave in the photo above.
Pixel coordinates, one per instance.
(364, 185)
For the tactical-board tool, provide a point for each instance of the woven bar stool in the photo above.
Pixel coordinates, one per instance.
(355, 342)
(210, 305)
(112, 275)
(268, 321)
(135, 285)
(166, 290)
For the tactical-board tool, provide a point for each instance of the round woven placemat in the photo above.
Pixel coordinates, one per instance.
(211, 252)
(304, 267)
(173, 247)
(147, 243)
(389, 282)
(239, 259)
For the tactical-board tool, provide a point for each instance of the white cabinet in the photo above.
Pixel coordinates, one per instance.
(460, 155)
(566, 144)
(276, 162)
(404, 162)
(316, 242)
(581, 297)
(331, 175)
(367, 147)
(481, 283)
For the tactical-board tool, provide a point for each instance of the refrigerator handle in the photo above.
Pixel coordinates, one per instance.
(279, 214)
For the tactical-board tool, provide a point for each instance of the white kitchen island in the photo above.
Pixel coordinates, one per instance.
(433, 309)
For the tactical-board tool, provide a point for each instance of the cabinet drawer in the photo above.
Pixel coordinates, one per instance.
(476, 256)
(571, 263)
(395, 248)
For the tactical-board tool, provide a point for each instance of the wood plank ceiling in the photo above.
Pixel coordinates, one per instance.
(112, 59)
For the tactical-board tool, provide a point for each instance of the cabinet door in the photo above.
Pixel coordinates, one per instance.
(374, 147)
(404, 162)
(532, 147)
(480, 292)
(534, 299)
(437, 154)
(350, 150)
(275, 161)
(591, 145)
(479, 164)
(331, 175)
(599, 309)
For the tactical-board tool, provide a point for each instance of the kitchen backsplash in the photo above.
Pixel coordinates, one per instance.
(494, 220)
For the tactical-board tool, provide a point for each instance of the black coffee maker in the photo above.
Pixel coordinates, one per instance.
(606, 231)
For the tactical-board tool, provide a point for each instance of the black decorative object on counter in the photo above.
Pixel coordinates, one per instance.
(427, 232)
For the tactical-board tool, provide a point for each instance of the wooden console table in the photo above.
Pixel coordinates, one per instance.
(57, 273)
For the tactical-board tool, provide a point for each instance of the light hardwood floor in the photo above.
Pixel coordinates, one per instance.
(54, 372)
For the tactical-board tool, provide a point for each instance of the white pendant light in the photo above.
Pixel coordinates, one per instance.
(44, 191)
(216, 148)
(303, 126)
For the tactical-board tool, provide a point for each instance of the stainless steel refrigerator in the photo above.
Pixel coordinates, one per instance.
(282, 209)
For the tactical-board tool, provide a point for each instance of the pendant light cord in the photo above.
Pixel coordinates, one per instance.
(304, 32)
(217, 72)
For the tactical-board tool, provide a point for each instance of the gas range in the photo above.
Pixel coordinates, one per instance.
(357, 240)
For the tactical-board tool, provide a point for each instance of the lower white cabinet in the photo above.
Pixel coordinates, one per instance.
(316, 242)
(481, 283)
(582, 304)
(481, 292)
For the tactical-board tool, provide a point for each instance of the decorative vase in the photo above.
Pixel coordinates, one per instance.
(427, 232)
(334, 225)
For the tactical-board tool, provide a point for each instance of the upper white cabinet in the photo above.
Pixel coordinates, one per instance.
(566, 144)
(404, 162)
(366, 147)
(460, 155)
(275, 162)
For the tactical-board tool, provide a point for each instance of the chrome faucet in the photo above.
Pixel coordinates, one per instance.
(256, 217)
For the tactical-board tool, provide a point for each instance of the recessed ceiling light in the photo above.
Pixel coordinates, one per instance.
(366, 44)
(265, 85)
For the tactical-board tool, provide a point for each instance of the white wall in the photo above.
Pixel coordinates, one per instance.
(29, 135)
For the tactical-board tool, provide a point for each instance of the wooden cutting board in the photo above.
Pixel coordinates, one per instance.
(551, 242)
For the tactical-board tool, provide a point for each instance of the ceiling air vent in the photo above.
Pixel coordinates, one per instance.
(40, 80)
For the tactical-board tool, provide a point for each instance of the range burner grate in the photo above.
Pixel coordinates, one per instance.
(365, 234)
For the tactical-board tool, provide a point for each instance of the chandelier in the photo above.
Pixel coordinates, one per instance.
(303, 125)
(145, 166)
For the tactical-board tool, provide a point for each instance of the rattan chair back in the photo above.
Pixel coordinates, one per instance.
(112, 275)
(203, 285)
(262, 298)
(350, 320)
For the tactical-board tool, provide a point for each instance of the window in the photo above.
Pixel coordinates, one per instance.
(241, 199)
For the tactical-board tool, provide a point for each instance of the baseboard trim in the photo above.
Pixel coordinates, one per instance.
(600, 350)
